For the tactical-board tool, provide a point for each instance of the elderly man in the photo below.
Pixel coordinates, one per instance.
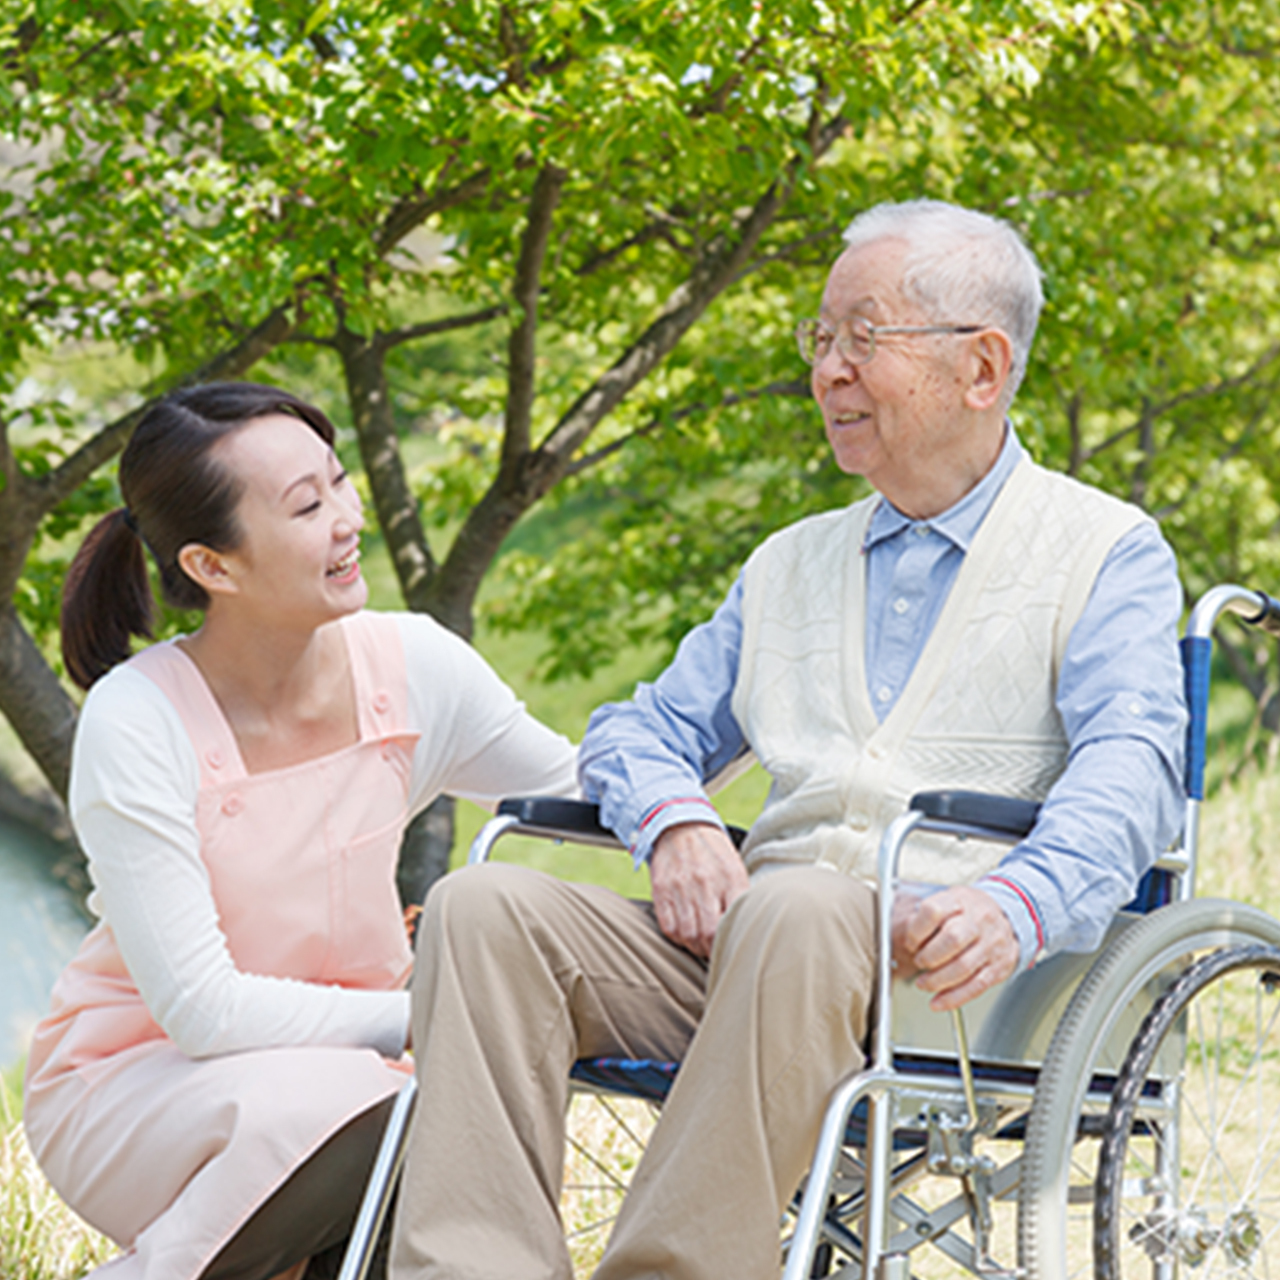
(978, 623)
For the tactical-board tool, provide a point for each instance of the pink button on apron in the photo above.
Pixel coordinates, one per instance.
(382, 703)
(232, 805)
(214, 758)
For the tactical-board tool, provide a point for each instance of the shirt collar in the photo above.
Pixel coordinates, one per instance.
(958, 523)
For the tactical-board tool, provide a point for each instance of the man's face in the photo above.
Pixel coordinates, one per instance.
(899, 419)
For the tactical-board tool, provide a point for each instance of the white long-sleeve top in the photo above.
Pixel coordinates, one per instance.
(135, 780)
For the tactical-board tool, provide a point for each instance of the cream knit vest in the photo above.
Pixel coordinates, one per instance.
(978, 712)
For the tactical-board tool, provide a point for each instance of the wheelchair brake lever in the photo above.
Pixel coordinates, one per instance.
(966, 1067)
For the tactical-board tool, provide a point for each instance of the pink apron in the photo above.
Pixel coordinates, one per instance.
(169, 1155)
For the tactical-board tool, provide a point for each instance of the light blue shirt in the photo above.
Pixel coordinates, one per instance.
(1118, 803)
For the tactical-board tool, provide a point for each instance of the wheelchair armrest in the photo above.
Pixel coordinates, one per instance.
(559, 819)
(974, 809)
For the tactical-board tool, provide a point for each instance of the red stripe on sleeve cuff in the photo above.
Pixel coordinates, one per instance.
(666, 804)
(1026, 902)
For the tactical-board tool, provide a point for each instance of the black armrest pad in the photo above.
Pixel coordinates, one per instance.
(570, 817)
(973, 809)
(578, 816)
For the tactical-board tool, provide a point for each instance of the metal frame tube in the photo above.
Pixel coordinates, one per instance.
(382, 1181)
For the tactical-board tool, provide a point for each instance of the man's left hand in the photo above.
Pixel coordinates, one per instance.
(957, 941)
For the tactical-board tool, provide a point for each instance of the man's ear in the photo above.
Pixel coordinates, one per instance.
(207, 569)
(990, 363)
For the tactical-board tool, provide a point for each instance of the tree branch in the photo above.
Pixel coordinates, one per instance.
(1204, 472)
(522, 347)
(1187, 397)
(717, 268)
(795, 387)
(658, 229)
(523, 480)
(65, 478)
(784, 254)
(431, 327)
(412, 211)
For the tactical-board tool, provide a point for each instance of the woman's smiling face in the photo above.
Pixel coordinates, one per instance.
(298, 560)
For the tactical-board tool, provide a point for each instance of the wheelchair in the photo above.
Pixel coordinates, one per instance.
(1115, 1113)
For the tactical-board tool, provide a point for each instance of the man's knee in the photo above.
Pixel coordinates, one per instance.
(481, 897)
(806, 910)
(816, 895)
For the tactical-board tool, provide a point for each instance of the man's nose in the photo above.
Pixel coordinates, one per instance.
(833, 368)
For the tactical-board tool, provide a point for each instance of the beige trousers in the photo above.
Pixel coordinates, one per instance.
(519, 974)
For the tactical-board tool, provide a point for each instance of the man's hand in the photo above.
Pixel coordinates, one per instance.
(696, 874)
(958, 941)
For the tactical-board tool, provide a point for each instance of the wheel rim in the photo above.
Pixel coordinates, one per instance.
(1189, 1175)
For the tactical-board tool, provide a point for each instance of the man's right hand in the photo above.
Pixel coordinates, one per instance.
(696, 874)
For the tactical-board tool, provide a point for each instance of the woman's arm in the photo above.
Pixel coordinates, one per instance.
(134, 785)
(477, 739)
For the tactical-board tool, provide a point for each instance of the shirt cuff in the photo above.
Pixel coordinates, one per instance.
(669, 813)
(1022, 914)
(390, 1035)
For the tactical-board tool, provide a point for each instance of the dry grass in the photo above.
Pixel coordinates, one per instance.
(1240, 837)
(40, 1238)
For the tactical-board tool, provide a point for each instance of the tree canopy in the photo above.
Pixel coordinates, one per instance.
(568, 241)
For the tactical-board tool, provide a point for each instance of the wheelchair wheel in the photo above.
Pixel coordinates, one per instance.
(1189, 1167)
(1068, 1116)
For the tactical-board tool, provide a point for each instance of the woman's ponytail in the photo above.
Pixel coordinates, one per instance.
(106, 599)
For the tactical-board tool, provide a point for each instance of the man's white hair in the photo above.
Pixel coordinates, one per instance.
(961, 267)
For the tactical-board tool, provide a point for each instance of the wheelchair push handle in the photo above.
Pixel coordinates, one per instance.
(1268, 615)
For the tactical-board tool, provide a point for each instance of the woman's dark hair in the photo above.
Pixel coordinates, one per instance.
(176, 492)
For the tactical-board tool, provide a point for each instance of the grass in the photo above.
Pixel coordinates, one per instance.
(40, 1238)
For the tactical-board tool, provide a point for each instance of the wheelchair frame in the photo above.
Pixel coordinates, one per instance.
(1051, 1053)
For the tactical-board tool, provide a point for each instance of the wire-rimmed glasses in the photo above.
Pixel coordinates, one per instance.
(855, 339)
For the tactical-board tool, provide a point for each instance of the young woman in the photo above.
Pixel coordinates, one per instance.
(210, 1085)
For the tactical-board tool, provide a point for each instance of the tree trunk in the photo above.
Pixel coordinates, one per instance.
(35, 703)
(428, 840)
(425, 850)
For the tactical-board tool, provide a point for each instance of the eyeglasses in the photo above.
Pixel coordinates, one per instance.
(855, 340)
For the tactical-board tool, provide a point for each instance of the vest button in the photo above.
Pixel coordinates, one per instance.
(382, 703)
(232, 805)
(214, 758)
(858, 821)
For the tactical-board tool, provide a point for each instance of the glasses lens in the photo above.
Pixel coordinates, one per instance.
(814, 340)
(857, 341)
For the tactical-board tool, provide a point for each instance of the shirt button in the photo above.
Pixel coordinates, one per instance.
(876, 753)
(900, 605)
(214, 758)
(232, 805)
(1135, 708)
(382, 703)
(858, 821)
(884, 693)
(920, 530)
